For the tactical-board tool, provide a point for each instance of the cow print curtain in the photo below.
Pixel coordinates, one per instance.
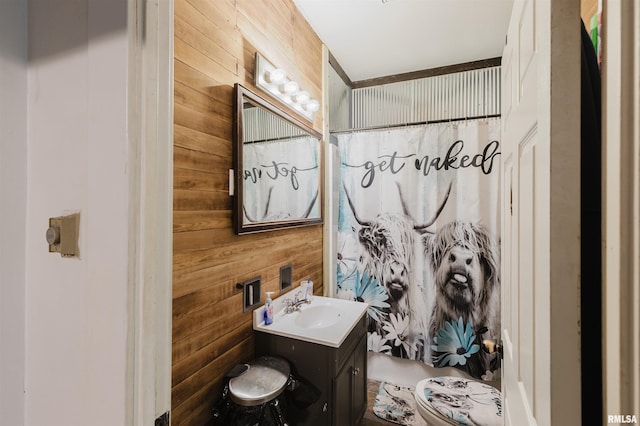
(419, 240)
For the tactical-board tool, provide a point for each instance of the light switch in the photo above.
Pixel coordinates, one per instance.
(62, 235)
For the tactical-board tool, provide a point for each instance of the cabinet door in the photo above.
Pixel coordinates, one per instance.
(342, 396)
(359, 380)
(350, 387)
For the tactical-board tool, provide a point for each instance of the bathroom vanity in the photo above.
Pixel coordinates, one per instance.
(334, 363)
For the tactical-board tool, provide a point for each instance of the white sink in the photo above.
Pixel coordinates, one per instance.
(326, 320)
(318, 316)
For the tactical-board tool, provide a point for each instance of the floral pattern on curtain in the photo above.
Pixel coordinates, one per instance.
(419, 240)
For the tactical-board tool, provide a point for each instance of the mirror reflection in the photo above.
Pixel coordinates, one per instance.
(280, 169)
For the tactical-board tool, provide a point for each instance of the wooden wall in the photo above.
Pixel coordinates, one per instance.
(215, 43)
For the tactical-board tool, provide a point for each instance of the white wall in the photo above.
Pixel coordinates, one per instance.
(13, 207)
(76, 309)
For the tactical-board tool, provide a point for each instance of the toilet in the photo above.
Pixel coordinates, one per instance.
(450, 400)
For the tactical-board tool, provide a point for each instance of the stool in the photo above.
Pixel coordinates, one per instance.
(255, 392)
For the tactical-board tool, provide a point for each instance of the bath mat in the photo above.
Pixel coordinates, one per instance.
(396, 404)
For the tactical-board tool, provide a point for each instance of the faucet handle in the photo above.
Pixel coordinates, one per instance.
(289, 305)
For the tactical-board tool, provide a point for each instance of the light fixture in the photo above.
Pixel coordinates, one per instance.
(302, 97)
(312, 105)
(291, 88)
(275, 76)
(277, 84)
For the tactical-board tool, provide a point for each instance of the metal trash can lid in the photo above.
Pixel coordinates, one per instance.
(265, 379)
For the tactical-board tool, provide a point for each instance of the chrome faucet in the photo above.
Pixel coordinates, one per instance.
(294, 305)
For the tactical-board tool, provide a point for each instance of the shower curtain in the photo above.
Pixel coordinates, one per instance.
(418, 240)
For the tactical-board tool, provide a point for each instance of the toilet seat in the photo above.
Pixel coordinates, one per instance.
(452, 400)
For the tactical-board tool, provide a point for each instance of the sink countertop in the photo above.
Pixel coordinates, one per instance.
(345, 315)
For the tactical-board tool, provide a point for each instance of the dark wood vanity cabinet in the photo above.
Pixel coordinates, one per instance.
(350, 387)
(340, 374)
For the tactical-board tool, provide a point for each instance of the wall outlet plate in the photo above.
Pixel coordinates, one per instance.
(285, 277)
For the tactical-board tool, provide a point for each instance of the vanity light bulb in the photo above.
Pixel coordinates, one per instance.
(291, 88)
(302, 97)
(275, 76)
(313, 105)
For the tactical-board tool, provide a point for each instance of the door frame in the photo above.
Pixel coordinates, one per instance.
(150, 254)
(150, 157)
(621, 207)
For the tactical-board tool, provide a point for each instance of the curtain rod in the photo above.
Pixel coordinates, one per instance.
(420, 123)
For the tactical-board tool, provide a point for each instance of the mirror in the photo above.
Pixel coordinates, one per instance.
(278, 173)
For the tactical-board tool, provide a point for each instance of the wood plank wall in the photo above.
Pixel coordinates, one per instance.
(214, 46)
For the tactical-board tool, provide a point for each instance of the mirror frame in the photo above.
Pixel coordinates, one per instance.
(241, 95)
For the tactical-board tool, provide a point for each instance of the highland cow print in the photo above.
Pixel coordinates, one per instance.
(423, 249)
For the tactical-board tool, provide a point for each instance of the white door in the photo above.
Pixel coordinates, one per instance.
(541, 214)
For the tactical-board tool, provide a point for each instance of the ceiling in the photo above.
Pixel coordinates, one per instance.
(372, 39)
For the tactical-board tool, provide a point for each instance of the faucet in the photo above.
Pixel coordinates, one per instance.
(294, 305)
